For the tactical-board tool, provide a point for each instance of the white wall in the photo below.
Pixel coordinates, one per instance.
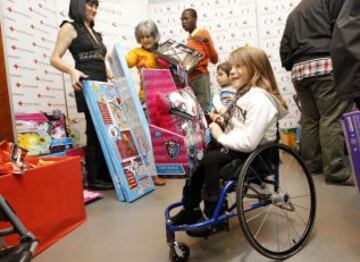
(29, 31)
(234, 23)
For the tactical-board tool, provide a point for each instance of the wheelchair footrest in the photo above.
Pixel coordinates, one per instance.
(205, 232)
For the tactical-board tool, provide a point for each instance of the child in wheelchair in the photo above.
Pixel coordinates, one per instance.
(250, 121)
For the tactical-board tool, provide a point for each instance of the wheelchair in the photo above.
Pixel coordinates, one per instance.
(274, 201)
(22, 252)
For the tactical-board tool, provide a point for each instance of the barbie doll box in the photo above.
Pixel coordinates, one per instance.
(351, 127)
(177, 53)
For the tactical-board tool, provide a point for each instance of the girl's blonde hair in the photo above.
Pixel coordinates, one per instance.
(257, 65)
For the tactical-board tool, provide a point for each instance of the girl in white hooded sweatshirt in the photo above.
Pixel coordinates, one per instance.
(250, 121)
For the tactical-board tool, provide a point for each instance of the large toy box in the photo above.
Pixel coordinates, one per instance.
(123, 131)
(177, 124)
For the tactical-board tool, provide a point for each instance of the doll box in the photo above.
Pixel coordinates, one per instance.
(177, 124)
(122, 136)
(178, 53)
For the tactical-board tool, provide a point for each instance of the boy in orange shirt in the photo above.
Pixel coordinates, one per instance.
(200, 40)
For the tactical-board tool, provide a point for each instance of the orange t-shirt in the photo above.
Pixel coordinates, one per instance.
(207, 49)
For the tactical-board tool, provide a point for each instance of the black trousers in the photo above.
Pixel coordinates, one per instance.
(357, 102)
(204, 184)
(95, 162)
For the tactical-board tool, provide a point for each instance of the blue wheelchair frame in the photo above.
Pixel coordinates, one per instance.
(215, 219)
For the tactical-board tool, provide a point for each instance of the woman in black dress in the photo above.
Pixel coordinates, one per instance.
(89, 53)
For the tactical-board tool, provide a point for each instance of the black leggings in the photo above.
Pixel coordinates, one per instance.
(94, 158)
(204, 184)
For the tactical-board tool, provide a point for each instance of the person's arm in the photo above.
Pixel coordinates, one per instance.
(334, 8)
(260, 113)
(65, 36)
(132, 59)
(109, 73)
(204, 37)
(285, 48)
(213, 55)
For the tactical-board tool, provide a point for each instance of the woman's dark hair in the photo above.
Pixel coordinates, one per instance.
(192, 11)
(225, 66)
(77, 9)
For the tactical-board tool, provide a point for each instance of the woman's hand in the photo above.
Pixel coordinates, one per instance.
(216, 130)
(76, 77)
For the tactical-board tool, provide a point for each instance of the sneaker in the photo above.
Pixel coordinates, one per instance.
(187, 216)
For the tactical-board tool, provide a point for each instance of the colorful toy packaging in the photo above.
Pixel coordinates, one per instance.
(177, 124)
(179, 58)
(291, 138)
(13, 159)
(351, 127)
(41, 133)
(122, 130)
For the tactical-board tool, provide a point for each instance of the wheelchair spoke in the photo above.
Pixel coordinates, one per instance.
(302, 220)
(277, 233)
(287, 167)
(257, 215)
(300, 196)
(291, 224)
(263, 221)
(300, 206)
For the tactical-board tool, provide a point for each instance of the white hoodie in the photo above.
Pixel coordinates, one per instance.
(254, 121)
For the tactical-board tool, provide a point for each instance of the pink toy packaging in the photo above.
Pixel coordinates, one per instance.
(177, 124)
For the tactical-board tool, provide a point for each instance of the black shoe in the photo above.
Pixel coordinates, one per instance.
(205, 232)
(100, 185)
(187, 216)
(347, 182)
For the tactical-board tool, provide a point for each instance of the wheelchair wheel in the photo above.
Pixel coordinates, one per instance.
(276, 201)
(180, 255)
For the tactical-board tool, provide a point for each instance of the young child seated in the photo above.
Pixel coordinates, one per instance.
(224, 96)
(250, 121)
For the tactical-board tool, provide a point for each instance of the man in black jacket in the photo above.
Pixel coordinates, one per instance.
(345, 52)
(305, 51)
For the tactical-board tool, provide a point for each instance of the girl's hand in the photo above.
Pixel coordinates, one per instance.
(76, 76)
(213, 116)
(215, 130)
(216, 118)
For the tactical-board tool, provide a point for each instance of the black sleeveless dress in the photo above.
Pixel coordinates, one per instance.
(89, 56)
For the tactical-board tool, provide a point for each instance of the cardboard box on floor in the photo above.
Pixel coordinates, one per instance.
(47, 199)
